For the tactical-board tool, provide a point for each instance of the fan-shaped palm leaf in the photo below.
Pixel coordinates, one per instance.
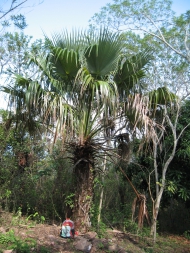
(66, 62)
(76, 40)
(103, 53)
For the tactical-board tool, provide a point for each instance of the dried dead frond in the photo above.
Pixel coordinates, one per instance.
(140, 203)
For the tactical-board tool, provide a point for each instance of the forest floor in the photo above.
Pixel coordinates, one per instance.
(44, 238)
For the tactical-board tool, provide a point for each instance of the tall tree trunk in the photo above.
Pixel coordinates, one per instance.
(160, 189)
(102, 191)
(156, 206)
(83, 196)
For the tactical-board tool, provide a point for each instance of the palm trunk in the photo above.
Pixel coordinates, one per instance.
(83, 196)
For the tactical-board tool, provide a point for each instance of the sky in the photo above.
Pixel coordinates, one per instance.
(54, 15)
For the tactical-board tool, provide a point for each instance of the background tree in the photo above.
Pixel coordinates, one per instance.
(15, 51)
(35, 187)
(144, 17)
(12, 44)
(148, 17)
(11, 13)
(7, 15)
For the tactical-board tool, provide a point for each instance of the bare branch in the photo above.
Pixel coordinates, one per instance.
(12, 8)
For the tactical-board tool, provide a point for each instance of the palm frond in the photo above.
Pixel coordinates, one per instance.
(65, 61)
(74, 40)
(103, 52)
(99, 92)
(161, 96)
(131, 70)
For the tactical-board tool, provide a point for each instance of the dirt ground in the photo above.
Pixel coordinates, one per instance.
(47, 236)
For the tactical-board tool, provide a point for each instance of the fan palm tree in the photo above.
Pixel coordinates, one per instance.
(82, 89)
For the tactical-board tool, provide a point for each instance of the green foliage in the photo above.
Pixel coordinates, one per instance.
(75, 89)
(101, 230)
(36, 217)
(9, 17)
(45, 187)
(10, 241)
(130, 226)
(149, 250)
(7, 238)
(147, 17)
(19, 21)
(69, 200)
(43, 249)
(15, 48)
(100, 245)
(145, 231)
(94, 214)
(120, 14)
(16, 219)
(187, 234)
(184, 193)
(31, 190)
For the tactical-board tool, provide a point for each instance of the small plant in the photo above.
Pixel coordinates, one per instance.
(149, 250)
(144, 232)
(42, 218)
(101, 230)
(187, 234)
(17, 217)
(44, 250)
(36, 217)
(131, 226)
(100, 245)
(7, 238)
(10, 241)
(21, 247)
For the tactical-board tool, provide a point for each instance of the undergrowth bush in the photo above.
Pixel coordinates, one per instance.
(10, 241)
(101, 230)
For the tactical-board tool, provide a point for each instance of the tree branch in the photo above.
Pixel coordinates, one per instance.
(12, 8)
